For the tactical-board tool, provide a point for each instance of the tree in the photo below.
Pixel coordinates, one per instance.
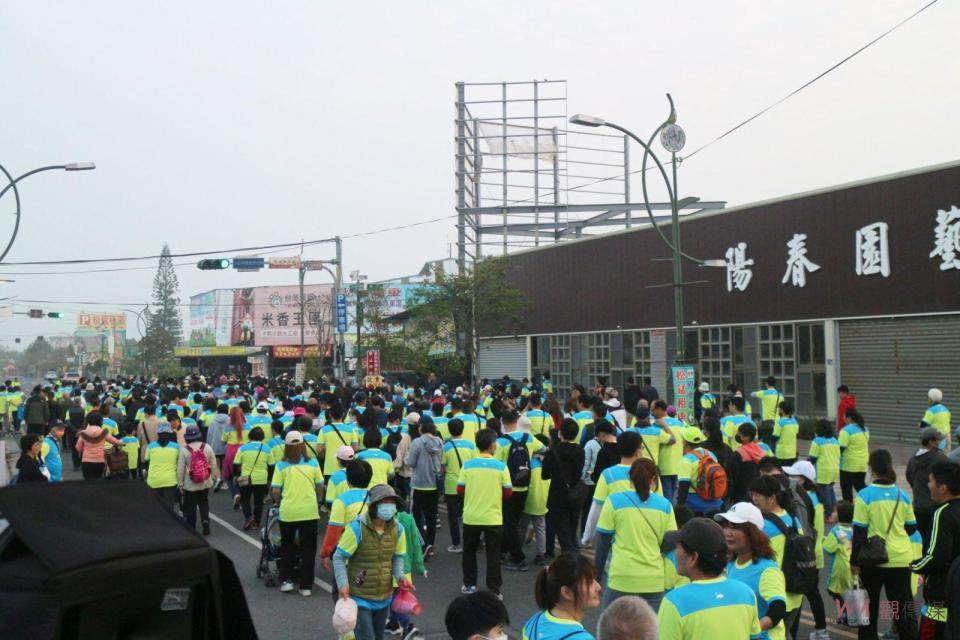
(164, 327)
(451, 313)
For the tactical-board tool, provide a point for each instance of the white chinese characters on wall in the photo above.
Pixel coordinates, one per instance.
(739, 273)
(873, 251)
(946, 239)
(797, 262)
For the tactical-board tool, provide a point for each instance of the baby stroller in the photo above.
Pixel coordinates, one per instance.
(268, 568)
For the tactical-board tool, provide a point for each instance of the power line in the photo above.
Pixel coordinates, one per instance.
(772, 106)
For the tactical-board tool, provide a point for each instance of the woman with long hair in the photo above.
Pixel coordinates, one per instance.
(235, 436)
(753, 562)
(854, 440)
(564, 591)
(805, 475)
(883, 509)
(297, 481)
(641, 518)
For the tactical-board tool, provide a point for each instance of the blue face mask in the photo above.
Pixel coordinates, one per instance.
(386, 510)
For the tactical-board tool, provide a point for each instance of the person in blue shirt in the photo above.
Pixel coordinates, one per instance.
(50, 451)
(564, 592)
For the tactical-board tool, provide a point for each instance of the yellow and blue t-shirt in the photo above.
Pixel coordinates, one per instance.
(453, 460)
(163, 464)
(543, 626)
(536, 502)
(254, 458)
(938, 417)
(785, 432)
(298, 485)
(335, 486)
(132, 447)
(612, 480)
(583, 419)
(766, 580)
(854, 442)
(670, 454)
(381, 463)
(770, 400)
(717, 608)
(837, 545)
(825, 452)
(653, 438)
(332, 437)
(638, 527)
(873, 509)
(504, 443)
(729, 425)
(541, 422)
(347, 506)
(778, 542)
(483, 480)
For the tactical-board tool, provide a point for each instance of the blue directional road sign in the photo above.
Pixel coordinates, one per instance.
(248, 264)
(341, 313)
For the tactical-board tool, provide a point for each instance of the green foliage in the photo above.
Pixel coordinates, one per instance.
(168, 368)
(163, 323)
(312, 369)
(39, 356)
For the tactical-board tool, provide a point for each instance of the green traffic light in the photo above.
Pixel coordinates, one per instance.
(55, 314)
(224, 263)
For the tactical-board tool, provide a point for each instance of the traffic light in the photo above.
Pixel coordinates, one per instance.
(213, 263)
(56, 314)
(36, 313)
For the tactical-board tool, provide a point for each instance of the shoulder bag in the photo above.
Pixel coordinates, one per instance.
(873, 553)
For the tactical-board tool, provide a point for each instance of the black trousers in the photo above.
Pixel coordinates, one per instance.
(425, 513)
(512, 543)
(258, 492)
(896, 582)
(816, 608)
(193, 500)
(302, 555)
(454, 504)
(168, 495)
(850, 480)
(563, 521)
(471, 542)
(92, 470)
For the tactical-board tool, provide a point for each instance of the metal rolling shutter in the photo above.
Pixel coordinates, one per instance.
(500, 357)
(890, 364)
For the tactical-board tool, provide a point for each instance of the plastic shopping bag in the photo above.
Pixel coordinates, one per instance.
(344, 616)
(406, 604)
(855, 610)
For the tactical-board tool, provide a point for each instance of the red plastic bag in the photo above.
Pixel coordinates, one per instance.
(406, 604)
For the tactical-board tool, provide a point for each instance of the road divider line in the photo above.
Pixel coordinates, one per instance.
(326, 586)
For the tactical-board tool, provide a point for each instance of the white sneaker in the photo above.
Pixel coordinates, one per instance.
(286, 587)
(306, 593)
(455, 548)
(819, 634)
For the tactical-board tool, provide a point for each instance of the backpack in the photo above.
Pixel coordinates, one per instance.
(518, 462)
(711, 477)
(199, 467)
(393, 441)
(117, 461)
(799, 564)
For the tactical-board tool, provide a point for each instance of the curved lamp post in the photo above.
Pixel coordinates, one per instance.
(142, 328)
(73, 166)
(672, 138)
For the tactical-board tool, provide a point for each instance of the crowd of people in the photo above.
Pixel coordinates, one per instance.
(716, 527)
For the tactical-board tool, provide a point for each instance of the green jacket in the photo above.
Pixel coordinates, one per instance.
(413, 561)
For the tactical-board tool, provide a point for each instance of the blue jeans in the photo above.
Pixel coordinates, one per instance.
(669, 484)
(371, 623)
(609, 595)
(830, 499)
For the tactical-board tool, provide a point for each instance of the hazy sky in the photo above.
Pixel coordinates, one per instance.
(219, 124)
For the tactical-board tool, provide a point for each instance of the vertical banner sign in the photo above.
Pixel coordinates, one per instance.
(373, 363)
(341, 313)
(684, 385)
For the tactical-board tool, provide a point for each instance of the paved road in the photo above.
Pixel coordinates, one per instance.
(290, 616)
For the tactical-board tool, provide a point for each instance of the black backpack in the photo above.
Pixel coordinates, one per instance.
(518, 462)
(393, 441)
(799, 564)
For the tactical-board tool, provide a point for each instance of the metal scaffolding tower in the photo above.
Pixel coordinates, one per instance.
(524, 179)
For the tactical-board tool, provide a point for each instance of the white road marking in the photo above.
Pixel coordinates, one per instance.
(807, 619)
(326, 586)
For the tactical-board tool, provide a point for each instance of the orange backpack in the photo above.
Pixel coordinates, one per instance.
(711, 483)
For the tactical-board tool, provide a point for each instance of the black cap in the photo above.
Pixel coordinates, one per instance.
(703, 536)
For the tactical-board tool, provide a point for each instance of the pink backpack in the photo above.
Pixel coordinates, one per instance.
(199, 467)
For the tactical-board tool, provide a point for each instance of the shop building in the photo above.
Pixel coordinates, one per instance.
(857, 284)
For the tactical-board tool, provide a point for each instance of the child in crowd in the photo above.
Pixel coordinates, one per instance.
(412, 563)
(837, 546)
(131, 445)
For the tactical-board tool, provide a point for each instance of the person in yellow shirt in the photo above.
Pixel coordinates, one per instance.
(456, 451)
(670, 454)
(251, 473)
(535, 507)
(770, 399)
(131, 445)
(484, 484)
(380, 461)
(513, 508)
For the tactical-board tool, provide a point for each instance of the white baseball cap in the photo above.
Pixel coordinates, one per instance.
(802, 468)
(741, 513)
(346, 453)
(293, 437)
(704, 387)
(263, 405)
(935, 395)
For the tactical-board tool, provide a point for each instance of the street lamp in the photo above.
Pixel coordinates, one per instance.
(73, 166)
(673, 138)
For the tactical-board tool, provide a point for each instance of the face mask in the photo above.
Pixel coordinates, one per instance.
(502, 636)
(386, 511)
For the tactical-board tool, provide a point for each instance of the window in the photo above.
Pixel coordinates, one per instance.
(777, 357)
(560, 365)
(716, 362)
(598, 358)
(641, 355)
